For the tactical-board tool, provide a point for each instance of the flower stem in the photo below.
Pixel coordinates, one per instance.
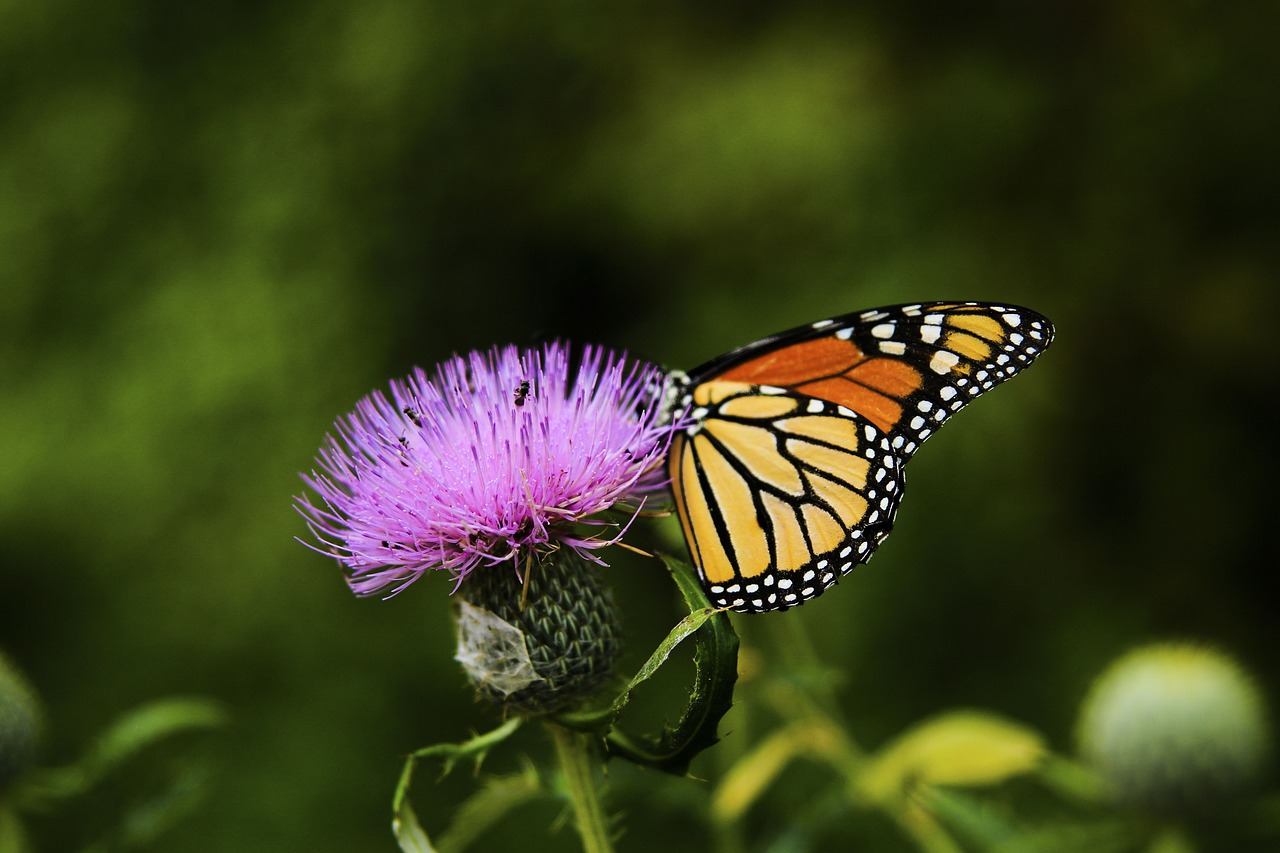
(575, 760)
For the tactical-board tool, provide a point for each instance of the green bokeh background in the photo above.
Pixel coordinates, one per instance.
(222, 224)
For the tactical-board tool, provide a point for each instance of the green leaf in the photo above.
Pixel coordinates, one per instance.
(409, 833)
(404, 822)
(128, 736)
(12, 837)
(1073, 780)
(1110, 836)
(956, 748)
(715, 673)
(992, 827)
(145, 821)
(150, 723)
(683, 629)
(486, 807)
(1171, 840)
(748, 779)
(971, 817)
(600, 720)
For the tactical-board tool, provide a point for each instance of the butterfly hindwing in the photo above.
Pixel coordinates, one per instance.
(779, 494)
(790, 470)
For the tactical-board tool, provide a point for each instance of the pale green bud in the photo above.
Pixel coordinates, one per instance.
(1174, 728)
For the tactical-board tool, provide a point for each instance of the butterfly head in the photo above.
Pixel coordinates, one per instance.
(674, 396)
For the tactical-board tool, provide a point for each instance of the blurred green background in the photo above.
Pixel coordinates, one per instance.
(221, 224)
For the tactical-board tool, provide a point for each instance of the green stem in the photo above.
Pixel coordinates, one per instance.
(575, 760)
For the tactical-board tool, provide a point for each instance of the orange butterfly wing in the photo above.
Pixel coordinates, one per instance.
(790, 471)
(837, 371)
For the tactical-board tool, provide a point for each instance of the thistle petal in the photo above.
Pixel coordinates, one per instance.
(494, 457)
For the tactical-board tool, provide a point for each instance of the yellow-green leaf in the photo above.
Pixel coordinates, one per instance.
(958, 748)
(748, 779)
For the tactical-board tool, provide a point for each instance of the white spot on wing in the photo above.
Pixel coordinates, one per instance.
(942, 361)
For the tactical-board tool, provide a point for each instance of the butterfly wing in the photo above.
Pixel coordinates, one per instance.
(779, 494)
(791, 469)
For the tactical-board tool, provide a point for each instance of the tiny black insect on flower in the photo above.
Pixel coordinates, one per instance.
(522, 392)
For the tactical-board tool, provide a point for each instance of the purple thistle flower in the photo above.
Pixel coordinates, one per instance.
(497, 457)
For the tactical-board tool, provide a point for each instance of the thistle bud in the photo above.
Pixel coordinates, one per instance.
(1174, 728)
(538, 644)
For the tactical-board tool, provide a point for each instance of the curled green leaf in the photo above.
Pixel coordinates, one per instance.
(715, 661)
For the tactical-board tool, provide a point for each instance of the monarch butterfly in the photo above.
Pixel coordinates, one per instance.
(789, 469)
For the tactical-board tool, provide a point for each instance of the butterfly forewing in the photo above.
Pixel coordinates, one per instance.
(790, 470)
(779, 494)
(906, 368)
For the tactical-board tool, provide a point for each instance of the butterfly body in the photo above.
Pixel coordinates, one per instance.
(789, 469)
